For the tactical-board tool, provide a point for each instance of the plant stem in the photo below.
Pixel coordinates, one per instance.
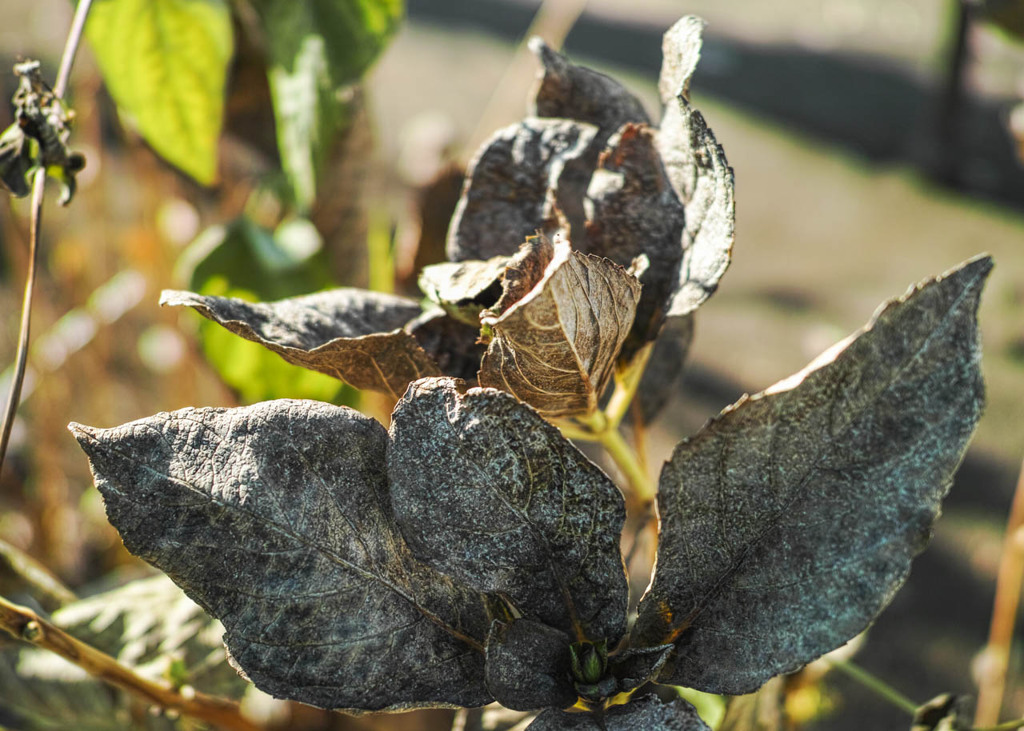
(627, 460)
(24, 624)
(38, 188)
(626, 385)
(45, 587)
(992, 683)
(875, 684)
(1007, 726)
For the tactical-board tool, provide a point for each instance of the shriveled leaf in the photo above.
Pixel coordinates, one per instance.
(351, 334)
(635, 666)
(465, 288)
(513, 182)
(165, 63)
(567, 91)
(760, 711)
(528, 666)
(946, 712)
(695, 164)
(680, 50)
(486, 491)
(789, 522)
(316, 47)
(147, 625)
(632, 210)
(643, 714)
(452, 344)
(275, 518)
(556, 347)
(16, 160)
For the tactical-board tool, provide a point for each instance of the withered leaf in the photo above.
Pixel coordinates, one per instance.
(665, 366)
(276, 519)
(701, 176)
(680, 52)
(632, 210)
(643, 714)
(790, 520)
(760, 711)
(556, 347)
(567, 91)
(502, 502)
(351, 334)
(528, 666)
(513, 182)
(464, 288)
(452, 344)
(636, 665)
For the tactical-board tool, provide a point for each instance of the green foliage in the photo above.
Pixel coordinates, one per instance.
(317, 47)
(165, 63)
(250, 262)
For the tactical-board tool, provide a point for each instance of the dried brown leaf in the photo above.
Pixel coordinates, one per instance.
(351, 334)
(465, 288)
(276, 519)
(486, 491)
(789, 521)
(556, 347)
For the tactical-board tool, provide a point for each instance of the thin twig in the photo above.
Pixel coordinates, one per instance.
(24, 624)
(996, 655)
(43, 585)
(1007, 726)
(875, 684)
(36, 220)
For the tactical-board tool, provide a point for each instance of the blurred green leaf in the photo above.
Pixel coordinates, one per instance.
(316, 48)
(248, 261)
(147, 624)
(165, 63)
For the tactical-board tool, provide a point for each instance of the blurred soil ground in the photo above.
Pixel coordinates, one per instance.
(827, 112)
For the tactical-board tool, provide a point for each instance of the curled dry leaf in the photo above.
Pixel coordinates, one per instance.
(464, 289)
(351, 334)
(514, 181)
(556, 347)
(276, 519)
(701, 176)
(528, 666)
(632, 211)
(450, 343)
(486, 491)
(567, 91)
(789, 522)
(645, 714)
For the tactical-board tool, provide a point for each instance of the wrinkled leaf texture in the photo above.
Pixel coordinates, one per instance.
(354, 335)
(165, 63)
(556, 347)
(276, 518)
(790, 520)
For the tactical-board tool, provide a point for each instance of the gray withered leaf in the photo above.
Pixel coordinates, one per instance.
(642, 714)
(790, 520)
(450, 343)
(555, 348)
(632, 210)
(664, 368)
(352, 334)
(528, 666)
(514, 181)
(464, 288)
(276, 519)
(567, 91)
(486, 491)
(700, 174)
(636, 665)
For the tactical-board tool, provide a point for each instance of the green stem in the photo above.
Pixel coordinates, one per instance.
(627, 461)
(626, 385)
(875, 684)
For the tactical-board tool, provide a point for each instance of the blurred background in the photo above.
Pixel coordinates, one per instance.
(873, 144)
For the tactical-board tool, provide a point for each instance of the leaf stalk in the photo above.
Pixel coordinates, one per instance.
(874, 684)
